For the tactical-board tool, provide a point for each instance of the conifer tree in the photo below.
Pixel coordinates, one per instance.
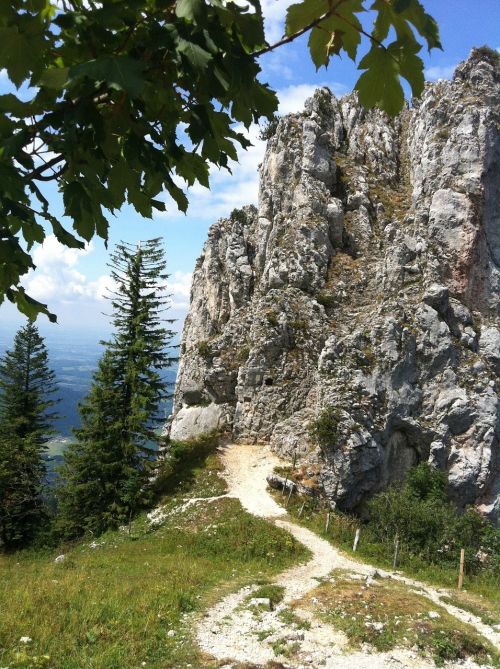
(26, 388)
(107, 469)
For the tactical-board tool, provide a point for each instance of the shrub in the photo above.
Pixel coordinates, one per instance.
(299, 325)
(269, 129)
(238, 215)
(324, 430)
(243, 353)
(428, 524)
(204, 350)
(425, 483)
(272, 319)
(181, 460)
(327, 300)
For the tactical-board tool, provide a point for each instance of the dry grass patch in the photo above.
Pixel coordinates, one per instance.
(387, 614)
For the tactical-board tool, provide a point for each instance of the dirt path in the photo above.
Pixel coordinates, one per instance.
(231, 631)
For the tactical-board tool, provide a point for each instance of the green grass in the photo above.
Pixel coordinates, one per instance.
(193, 469)
(285, 647)
(113, 605)
(341, 533)
(290, 618)
(388, 614)
(271, 591)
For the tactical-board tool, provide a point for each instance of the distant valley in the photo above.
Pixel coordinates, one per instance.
(74, 359)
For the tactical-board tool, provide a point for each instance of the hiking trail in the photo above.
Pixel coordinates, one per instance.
(230, 630)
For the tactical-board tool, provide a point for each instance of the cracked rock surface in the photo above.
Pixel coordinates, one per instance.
(367, 279)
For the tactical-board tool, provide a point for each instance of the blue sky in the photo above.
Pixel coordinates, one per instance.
(73, 282)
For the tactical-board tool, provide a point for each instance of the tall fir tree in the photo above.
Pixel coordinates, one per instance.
(107, 469)
(27, 385)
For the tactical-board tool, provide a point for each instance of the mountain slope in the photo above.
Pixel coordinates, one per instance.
(368, 281)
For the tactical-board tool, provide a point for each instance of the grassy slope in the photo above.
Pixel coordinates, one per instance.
(114, 605)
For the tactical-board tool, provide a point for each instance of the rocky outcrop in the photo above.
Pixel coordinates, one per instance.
(367, 280)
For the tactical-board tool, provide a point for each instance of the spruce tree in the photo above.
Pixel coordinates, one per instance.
(27, 385)
(107, 469)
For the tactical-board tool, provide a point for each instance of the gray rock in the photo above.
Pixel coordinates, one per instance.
(489, 345)
(193, 421)
(437, 297)
(368, 279)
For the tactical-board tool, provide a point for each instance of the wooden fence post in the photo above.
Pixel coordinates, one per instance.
(461, 571)
(356, 540)
(289, 495)
(327, 525)
(396, 552)
(284, 485)
(302, 508)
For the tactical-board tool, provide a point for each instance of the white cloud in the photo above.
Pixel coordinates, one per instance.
(292, 98)
(56, 278)
(228, 190)
(58, 281)
(279, 63)
(274, 12)
(179, 287)
(439, 72)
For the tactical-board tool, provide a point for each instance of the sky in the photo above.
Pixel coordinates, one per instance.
(74, 283)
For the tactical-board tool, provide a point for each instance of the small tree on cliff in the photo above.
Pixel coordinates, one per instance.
(26, 418)
(106, 470)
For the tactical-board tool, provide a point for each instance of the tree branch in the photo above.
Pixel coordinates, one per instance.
(302, 31)
(331, 12)
(38, 172)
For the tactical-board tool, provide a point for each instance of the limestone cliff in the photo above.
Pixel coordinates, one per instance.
(368, 279)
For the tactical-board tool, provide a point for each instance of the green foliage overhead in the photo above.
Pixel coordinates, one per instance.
(127, 99)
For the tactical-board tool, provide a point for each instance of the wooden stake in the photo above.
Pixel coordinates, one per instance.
(356, 540)
(289, 495)
(284, 485)
(396, 552)
(302, 509)
(294, 459)
(461, 572)
(327, 525)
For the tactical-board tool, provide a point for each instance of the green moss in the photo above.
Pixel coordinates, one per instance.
(365, 359)
(443, 134)
(326, 299)
(272, 319)
(243, 353)
(299, 325)
(271, 591)
(204, 350)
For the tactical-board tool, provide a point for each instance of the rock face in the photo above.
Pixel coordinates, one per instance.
(368, 280)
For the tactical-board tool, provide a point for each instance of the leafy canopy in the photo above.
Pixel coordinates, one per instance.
(128, 98)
